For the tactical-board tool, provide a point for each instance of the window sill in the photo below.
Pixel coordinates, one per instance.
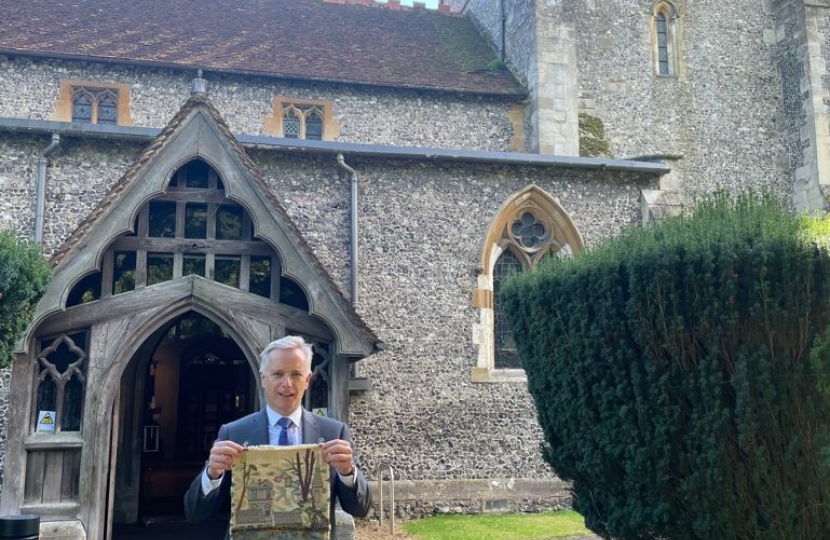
(486, 375)
(50, 441)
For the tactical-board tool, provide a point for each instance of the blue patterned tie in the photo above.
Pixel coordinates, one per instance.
(284, 423)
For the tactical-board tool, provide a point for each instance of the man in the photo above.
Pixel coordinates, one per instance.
(284, 372)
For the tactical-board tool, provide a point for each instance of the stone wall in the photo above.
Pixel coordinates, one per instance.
(517, 48)
(375, 116)
(723, 114)
(422, 228)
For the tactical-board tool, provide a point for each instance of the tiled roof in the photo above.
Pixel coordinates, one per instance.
(152, 150)
(351, 42)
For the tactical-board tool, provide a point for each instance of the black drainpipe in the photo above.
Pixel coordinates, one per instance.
(42, 163)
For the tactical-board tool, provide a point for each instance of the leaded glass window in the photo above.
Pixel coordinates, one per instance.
(108, 108)
(95, 105)
(505, 347)
(81, 107)
(662, 44)
(61, 380)
(314, 125)
(291, 124)
(303, 119)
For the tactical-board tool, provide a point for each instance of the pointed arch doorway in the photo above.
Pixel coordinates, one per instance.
(187, 379)
(192, 227)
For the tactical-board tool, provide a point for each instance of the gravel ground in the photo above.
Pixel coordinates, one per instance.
(368, 529)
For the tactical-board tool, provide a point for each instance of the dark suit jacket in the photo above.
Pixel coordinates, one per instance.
(253, 429)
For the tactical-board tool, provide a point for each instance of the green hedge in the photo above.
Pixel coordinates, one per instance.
(24, 276)
(671, 372)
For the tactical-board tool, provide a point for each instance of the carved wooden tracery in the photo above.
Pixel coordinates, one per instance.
(57, 373)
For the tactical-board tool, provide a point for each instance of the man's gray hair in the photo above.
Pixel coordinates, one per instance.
(282, 344)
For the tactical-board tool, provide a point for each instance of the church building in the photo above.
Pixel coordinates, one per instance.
(208, 176)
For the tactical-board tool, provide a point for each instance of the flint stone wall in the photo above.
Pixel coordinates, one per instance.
(722, 113)
(422, 228)
(374, 116)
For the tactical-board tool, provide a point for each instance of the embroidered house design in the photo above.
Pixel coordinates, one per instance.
(280, 492)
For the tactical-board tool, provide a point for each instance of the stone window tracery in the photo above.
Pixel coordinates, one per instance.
(94, 105)
(302, 119)
(530, 227)
(92, 102)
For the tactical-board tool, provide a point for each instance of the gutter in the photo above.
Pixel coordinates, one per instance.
(42, 163)
(259, 142)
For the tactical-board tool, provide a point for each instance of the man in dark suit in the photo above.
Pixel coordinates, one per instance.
(284, 372)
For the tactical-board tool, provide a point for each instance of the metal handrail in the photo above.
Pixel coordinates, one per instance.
(391, 496)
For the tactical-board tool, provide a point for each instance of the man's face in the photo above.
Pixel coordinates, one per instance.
(285, 380)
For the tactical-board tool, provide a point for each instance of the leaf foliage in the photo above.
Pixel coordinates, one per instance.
(672, 373)
(24, 276)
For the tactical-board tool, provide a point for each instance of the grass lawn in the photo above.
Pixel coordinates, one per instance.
(544, 525)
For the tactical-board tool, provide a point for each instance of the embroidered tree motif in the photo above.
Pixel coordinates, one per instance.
(246, 477)
(304, 470)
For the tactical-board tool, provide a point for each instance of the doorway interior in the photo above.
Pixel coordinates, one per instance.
(188, 379)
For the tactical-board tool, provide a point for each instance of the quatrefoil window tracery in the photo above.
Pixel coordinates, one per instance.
(529, 232)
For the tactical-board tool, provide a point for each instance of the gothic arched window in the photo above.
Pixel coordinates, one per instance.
(530, 227)
(94, 105)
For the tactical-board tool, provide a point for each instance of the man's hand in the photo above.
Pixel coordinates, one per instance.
(338, 453)
(222, 455)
